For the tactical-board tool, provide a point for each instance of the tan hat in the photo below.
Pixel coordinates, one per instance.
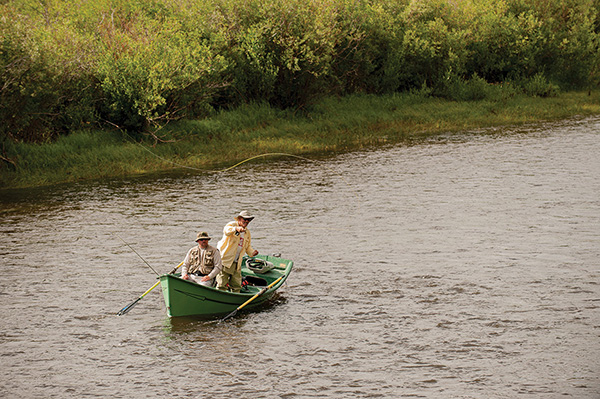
(245, 215)
(203, 235)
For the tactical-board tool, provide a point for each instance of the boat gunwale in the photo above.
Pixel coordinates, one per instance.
(216, 296)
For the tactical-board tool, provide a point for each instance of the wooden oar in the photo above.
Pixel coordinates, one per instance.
(132, 304)
(251, 299)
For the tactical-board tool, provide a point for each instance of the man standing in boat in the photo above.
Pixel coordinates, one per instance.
(235, 242)
(202, 263)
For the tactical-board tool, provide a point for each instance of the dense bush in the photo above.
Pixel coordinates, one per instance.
(137, 64)
(154, 67)
(45, 78)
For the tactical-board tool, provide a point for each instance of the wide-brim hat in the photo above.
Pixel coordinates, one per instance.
(245, 215)
(203, 235)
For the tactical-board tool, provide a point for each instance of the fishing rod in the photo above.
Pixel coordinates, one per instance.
(132, 304)
(148, 264)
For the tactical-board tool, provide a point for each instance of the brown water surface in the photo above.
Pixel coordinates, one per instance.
(464, 265)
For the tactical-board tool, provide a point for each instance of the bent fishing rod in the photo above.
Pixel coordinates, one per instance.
(148, 264)
(132, 304)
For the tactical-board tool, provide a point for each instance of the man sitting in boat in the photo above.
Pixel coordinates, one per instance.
(202, 263)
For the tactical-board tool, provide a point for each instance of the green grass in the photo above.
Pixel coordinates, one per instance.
(334, 124)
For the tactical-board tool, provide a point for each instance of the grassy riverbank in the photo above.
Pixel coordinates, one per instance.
(333, 124)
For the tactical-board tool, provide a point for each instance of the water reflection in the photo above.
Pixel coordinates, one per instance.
(186, 324)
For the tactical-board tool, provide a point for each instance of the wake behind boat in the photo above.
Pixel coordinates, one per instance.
(186, 298)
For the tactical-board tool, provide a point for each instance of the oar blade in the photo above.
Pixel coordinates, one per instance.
(132, 304)
(230, 315)
(128, 307)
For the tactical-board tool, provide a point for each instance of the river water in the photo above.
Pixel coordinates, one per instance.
(460, 266)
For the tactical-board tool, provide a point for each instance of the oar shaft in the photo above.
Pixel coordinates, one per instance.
(158, 282)
(251, 299)
(132, 304)
(259, 293)
(150, 289)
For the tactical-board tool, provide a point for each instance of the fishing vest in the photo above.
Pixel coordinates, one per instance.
(204, 265)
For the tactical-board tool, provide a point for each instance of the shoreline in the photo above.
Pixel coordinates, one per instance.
(227, 138)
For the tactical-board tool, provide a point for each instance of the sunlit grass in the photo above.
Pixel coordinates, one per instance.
(334, 124)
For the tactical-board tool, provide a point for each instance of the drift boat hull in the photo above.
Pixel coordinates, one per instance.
(186, 298)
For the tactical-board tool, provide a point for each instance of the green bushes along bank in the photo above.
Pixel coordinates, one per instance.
(69, 66)
(140, 63)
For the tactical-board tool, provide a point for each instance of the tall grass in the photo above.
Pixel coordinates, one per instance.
(332, 124)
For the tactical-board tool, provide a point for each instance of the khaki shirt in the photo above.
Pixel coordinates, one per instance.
(229, 243)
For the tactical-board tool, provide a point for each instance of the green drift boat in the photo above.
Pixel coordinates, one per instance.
(186, 298)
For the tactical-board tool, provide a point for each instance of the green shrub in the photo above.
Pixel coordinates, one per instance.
(139, 64)
(44, 86)
(475, 89)
(285, 54)
(539, 86)
(150, 73)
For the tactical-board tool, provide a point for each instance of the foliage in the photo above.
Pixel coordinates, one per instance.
(538, 86)
(154, 67)
(139, 64)
(331, 124)
(44, 78)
